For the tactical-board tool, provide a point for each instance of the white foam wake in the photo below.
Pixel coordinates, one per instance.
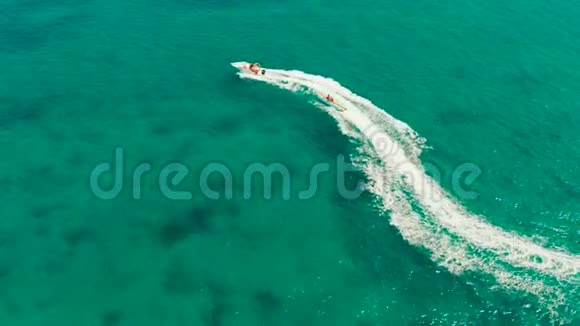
(457, 240)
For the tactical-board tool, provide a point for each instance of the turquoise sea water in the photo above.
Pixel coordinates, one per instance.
(492, 88)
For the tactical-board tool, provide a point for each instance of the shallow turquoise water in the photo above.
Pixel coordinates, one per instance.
(491, 84)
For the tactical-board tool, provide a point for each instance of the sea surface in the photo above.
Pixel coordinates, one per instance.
(447, 192)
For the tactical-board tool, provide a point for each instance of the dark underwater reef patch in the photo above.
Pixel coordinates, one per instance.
(76, 236)
(21, 31)
(182, 280)
(111, 318)
(179, 228)
(199, 219)
(269, 305)
(21, 37)
(18, 109)
(219, 307)
(227, 125)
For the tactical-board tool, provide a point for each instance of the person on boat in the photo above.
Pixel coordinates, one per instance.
(255, 68)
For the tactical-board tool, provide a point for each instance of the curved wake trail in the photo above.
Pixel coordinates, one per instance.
(389, 153)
